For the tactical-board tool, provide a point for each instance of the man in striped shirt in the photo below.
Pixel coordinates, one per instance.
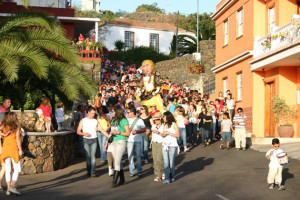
(239, 121)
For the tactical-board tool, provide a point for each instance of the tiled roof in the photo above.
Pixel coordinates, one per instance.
(145, 24)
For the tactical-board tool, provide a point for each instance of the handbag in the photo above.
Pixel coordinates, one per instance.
(111, 139)
(39, 125)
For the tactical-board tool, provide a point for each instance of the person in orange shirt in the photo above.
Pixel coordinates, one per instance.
(12, 150)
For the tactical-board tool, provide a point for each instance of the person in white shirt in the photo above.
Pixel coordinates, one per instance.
(88, 127)
(134, 142)
(275, 169)
(230, 105)
(239, 121)
(157, 130)
(59, 114)
(170, 146)
(226, 128)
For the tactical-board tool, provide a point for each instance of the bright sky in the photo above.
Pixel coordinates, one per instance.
(184, 6)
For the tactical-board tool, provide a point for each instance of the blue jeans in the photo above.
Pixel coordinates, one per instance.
(205, 135)
(213, 126)
(137, 148)
(191, 130)
(90, 147)
(59, 124)
(101, 140)
(145, 148)
(182, 137)
(80, 142)
(169, 162)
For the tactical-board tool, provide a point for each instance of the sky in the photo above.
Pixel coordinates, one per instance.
(170, 6)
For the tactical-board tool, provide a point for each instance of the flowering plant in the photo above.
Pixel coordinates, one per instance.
(268, 42)
(283, 113)
(195, 68)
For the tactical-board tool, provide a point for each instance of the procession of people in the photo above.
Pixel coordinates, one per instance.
(137, 113)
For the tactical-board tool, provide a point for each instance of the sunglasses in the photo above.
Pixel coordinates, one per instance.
(129, 112)
(142, 109)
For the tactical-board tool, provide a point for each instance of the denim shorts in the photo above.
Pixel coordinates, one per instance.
(226, 136)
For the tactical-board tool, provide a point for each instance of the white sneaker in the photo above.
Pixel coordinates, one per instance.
(146, 161)
(14, 191)
(186, 149)
(110, 172)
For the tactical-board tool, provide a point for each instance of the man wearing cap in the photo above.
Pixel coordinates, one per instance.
(157, 139)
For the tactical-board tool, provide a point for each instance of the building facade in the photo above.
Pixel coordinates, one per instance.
(257, 58)
(139, 33)
(90, 5)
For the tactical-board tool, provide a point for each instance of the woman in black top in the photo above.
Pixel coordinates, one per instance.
(205, 123)
(146, 139)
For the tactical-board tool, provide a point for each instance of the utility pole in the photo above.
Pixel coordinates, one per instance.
(197, 26)
(177, 34)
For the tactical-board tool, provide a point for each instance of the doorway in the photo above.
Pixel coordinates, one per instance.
(269, 115)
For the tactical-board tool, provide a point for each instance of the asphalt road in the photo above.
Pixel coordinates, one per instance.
(203, 173)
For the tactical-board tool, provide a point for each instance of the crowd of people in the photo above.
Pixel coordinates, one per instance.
(119, 121)
(127, 117)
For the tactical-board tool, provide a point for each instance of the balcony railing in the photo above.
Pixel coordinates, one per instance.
(280, 38)
(89, 55)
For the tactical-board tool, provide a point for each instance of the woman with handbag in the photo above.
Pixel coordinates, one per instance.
(120, 130)
(104, 121)
(44, 112)
(146, 139)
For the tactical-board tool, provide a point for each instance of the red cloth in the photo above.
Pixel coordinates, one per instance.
(131, 70)
(46, 110)
(153, 112)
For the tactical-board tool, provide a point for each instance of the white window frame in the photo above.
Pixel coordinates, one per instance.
(240, 22)
(240, 86)
(225, 85)
(154, 41)
(129, 41)
(226, 35)
(271, 19)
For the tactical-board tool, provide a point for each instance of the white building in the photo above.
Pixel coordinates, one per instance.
(139, 33)
(90, 5)
(45, 3)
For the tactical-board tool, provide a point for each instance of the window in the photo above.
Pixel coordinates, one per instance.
(240, 22)
(129, 39)
(154, 41)
(225, 85)
(239, 86)
(272, 19)
(225, 32)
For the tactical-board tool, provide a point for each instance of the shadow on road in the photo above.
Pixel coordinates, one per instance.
(286, 175)
(192, 166)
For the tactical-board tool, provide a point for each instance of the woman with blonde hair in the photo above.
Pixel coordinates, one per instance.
(12, 150)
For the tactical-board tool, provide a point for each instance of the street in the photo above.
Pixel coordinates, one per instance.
(203, 173)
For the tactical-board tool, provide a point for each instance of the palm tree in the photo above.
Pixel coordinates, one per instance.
(32, 41)
(187, 44)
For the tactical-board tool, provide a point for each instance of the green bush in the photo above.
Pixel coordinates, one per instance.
(137, 55)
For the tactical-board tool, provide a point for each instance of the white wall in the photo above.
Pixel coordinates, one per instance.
(109, 34)
(88, 5)
(45, 3)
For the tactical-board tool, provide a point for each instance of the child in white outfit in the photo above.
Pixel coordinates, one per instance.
(275, 169)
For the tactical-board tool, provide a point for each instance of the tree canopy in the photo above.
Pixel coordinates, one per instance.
(149, 8)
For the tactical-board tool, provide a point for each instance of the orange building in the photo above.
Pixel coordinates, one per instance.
(258, 57)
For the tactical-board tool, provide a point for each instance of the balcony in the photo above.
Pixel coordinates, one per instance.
(279, 39)
(279, 48)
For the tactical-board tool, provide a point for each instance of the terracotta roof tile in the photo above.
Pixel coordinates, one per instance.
(145, 24)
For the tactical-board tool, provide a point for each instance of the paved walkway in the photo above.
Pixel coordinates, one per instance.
(204, 173)
(292, 149)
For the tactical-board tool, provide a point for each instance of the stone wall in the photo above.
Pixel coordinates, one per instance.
(176, 69)
(45, 152)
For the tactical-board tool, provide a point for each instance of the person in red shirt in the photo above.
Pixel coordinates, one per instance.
(131, 69)
(44, 111)
(4, 108)
(153, 110)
